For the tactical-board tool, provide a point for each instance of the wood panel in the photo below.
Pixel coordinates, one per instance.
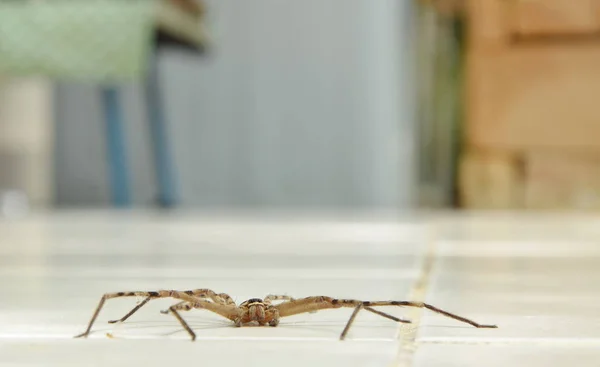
(532, 113)
(490, 180)
(489, 23)
(534, 180)
(534, 97)
(562, 180)
(555, 17)
(496, 23)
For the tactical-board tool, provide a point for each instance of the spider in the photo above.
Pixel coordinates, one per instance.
(260, 311)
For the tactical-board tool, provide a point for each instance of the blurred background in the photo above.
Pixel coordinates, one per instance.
(343, 104)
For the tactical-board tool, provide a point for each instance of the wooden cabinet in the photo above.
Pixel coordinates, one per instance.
(532, 129)
(534, 96)
(558, 179)
(494, 23)
(490, 180)
(554, 17)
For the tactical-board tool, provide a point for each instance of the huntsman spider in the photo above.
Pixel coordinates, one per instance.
(261, 311)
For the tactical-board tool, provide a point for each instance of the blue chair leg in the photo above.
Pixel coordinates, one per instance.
(163, 162)
(115, 139)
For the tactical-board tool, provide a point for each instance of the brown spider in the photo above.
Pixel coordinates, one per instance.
(261, 311)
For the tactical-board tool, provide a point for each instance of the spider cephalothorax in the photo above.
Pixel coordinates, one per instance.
(259, 310)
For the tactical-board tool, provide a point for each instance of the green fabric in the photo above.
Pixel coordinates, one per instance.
(94, 40)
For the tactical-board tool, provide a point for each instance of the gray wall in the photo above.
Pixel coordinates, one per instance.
(298, 103)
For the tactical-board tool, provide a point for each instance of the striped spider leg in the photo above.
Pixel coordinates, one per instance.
(220, 298)
(186, 306)
(319, 303)
(276, 297)
(254, 310)
(197, 297)
(263, 312)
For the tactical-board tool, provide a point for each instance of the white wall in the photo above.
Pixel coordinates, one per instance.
(298, 103)
(26, 138)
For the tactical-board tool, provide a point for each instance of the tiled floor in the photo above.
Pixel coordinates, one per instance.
(537, 277)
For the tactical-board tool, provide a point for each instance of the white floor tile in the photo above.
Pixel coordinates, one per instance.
(534, 289)
(115, 352)
(536, 277)
(59, 266)
(526, 355)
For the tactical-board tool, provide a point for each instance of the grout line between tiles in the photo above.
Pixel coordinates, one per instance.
(408, 332)
(509, 341)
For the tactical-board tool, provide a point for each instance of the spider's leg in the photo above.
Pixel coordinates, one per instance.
(351, 320)
(231, 312)
(223, 305)
(133, 310)
(182, 322)
(434, 309)
(362, 306)
(198, 293)
(367, 305)
(221, 298)
(388, 316)
(228, 311)
(277, 297)
(179, 306)
(275, 320)
(308, 304)
(311, 304)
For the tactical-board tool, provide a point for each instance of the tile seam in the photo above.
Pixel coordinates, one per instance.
(408, 332)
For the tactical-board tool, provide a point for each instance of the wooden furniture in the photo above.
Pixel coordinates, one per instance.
(532, 129)
(177, 23)
(106, 43)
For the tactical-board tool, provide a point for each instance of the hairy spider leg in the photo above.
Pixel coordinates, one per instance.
(224, 306)
(321, 302)
(276, 297)
(221, 298)
(253, 309)
(228, 311)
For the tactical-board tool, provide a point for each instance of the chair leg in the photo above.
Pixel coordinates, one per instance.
(161, 149)
(116, 149)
